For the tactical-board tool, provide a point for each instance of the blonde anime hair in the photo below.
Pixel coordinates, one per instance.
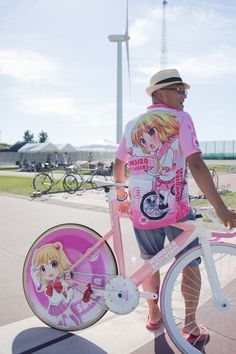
(165, 123)
(51, 252)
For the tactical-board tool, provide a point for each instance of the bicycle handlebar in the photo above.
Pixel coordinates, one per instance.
(108, 184)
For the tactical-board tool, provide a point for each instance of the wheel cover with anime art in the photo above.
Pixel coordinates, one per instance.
(57, 303)
(219, 320)
(150, 206)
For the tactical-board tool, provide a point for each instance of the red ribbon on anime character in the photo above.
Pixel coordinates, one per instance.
(57, 286)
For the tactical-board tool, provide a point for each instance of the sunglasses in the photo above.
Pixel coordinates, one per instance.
(180, 90)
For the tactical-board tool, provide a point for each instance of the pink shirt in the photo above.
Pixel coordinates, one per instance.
(155, 145)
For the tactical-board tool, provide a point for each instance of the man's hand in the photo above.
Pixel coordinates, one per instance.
(227, 216)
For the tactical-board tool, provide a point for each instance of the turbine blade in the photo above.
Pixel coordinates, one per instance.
(127, 19)
(128, 64)
(127, 42)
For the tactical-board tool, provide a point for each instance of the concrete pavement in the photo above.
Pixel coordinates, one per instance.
(22, 220)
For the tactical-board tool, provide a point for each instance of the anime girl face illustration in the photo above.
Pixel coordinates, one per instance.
(52, 262)
(48, 266)
(157, 135)
(153, 130)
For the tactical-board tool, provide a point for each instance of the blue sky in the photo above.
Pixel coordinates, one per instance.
(58, 68)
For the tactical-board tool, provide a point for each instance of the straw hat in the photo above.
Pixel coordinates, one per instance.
(165, 78)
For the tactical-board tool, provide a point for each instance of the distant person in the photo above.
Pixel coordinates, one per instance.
(158, 145)
(90, 159)
(26, 163)
(65, 159)
(111, 168)
(56, 159)
(48, 160)
(100, 167)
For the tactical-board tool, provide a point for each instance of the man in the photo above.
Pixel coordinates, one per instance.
(157, 145)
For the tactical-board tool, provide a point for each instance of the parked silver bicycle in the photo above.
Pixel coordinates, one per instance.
(44, 181)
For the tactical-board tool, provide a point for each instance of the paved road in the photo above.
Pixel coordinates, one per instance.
(22, 220)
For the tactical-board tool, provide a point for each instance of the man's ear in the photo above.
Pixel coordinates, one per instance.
(155, 97)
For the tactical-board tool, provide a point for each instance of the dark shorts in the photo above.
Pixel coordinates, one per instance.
(151, 242)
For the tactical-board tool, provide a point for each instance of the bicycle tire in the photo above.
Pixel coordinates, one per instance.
(72, 240)
(79, 179)
(70, 184)
(42, 183)
(218, 323)
(100, 177)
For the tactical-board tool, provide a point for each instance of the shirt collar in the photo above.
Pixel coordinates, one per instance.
(157, 105)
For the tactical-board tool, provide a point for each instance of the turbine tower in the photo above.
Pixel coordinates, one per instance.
(119, 39)
(164, 52)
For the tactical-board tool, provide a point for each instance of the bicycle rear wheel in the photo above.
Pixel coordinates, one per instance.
(42, 183)
(70, 184)
(220, 323)
(53, 300)
(100, 177)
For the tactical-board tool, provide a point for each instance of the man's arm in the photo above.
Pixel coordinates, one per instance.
(119, 171)
(203, 178)
(119, 177)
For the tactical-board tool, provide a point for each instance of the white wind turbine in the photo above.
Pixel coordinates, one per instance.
(120, 38)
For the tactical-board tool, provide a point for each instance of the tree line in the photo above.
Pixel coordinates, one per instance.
(28, 137)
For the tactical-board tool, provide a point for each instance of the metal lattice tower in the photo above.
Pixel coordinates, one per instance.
(164, 52)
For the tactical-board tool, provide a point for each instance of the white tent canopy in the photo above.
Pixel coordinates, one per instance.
(38, 147)
(98, 147)
(65, 148)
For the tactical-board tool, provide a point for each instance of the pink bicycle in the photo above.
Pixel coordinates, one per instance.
(71, 278)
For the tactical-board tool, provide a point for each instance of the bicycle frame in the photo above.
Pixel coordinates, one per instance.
(191, 230)
(56, 181)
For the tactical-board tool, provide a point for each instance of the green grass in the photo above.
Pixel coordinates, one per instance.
(228, 197)
(224, 168)
(21, 185)
(16, 185)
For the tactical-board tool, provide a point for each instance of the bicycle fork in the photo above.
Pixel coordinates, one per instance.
(219, 300)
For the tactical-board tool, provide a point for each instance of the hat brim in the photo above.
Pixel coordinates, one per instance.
(154, 88)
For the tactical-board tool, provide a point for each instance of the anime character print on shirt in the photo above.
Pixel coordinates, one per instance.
(156, 134)
(48, 266)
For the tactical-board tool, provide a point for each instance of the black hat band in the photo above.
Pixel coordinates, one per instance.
(170, 79)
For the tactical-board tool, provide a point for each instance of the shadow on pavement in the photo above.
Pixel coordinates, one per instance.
(48, 340)
(161, 345)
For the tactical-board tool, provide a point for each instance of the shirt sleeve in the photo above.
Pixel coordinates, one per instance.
(121, 153)
(188, 137)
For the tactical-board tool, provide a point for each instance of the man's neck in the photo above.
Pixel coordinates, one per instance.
(158, 105)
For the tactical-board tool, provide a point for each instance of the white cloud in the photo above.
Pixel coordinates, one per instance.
(200, 42)
(68, 108)
(141, 32)
(28, 66)
(59, 105)
(215, 64)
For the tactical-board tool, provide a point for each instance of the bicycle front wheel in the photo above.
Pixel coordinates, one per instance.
(42, 183)
(55, 301)
(220, 323)
(70, 184)
(100, 177)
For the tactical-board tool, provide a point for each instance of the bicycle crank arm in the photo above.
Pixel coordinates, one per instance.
(148, 295)
(99, 292)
